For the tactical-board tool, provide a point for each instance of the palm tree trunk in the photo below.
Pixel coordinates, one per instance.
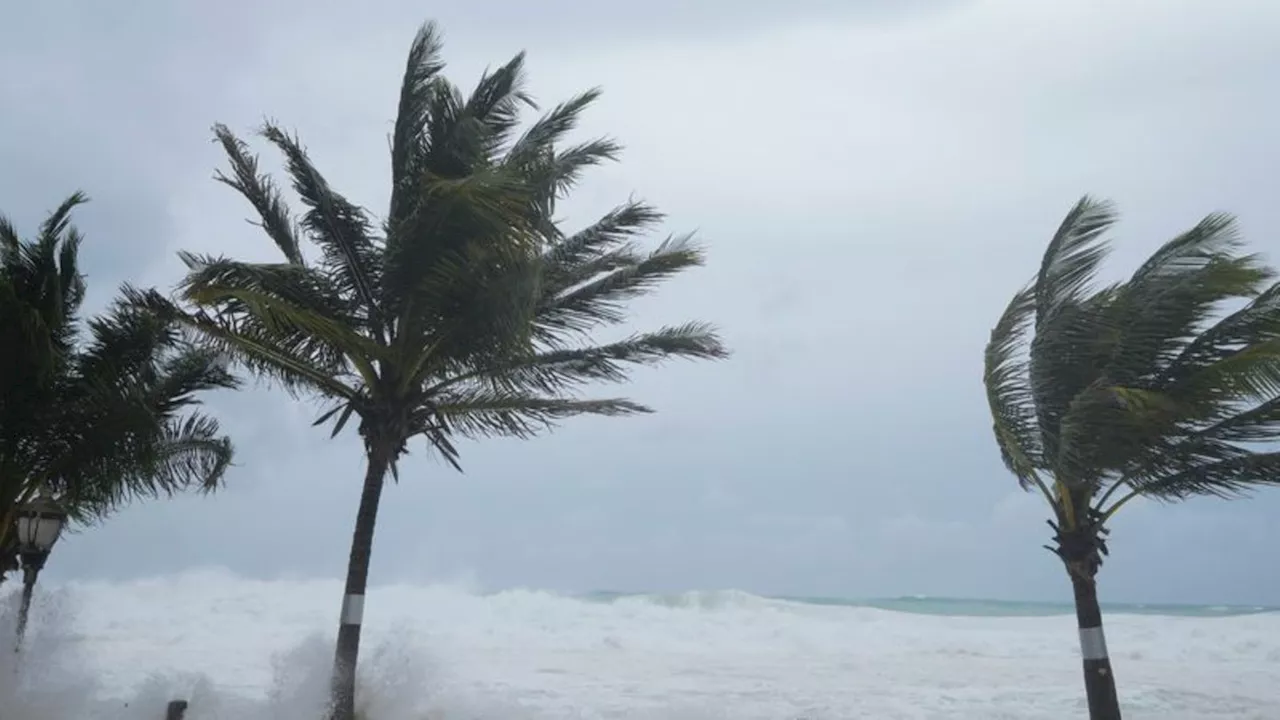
(1099, 681)
(343, 687)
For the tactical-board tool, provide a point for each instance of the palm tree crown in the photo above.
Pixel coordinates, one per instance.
(94, 423)
(1147, 387)
(466, 311)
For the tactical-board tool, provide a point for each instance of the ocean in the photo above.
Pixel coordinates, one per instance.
(258, 650)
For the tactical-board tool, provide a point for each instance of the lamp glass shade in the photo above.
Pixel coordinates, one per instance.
(38, 528)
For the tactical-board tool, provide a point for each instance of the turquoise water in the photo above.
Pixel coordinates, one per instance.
(942, 605)
(961, 606)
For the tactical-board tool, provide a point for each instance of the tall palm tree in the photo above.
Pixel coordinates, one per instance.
(93, 422)
(1152, 388)
(466, 312)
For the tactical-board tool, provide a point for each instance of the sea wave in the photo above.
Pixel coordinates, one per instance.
(253, 650)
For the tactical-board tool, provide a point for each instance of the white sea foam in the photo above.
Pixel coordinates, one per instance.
(252, 650)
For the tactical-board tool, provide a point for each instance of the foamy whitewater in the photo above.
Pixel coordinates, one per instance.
(250, 650)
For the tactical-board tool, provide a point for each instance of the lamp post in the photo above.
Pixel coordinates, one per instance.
(38, 526)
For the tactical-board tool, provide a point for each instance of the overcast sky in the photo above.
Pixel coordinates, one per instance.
(873, 180)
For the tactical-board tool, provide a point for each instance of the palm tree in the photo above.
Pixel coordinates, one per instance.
(1145, 388)
(466, 313)
(94, 422)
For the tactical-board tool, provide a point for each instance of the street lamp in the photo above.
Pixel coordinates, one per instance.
(38, 525)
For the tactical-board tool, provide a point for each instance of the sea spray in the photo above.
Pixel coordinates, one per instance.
(52, 678)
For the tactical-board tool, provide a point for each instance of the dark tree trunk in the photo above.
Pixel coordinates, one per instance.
(1099, 681)
(343, 687)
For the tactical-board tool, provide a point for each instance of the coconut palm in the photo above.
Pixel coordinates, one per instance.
(93, 422)
(467, 312)
(1163, 386)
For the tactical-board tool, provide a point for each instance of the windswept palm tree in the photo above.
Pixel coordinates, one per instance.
(93, 422)
(467, 312)
(1163, 386)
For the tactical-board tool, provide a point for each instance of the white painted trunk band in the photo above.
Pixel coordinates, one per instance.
(1093, 644)
(352, 609)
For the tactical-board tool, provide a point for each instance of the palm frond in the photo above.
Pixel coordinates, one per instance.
(1166, 306)
(581, 294)
(469, 231)
(486, 412)
(1213, 238)
(1072, 257)
(190, 454)
(294, 362)
(408, 140)
(1255, 425)
(495, 104)
(555, 173)
(340, 228)
(10, 241)
(615, 229)
(1227, 478)
(261, 192)
(559, 370)
(1068, 355)
(286, 301)
(548, 130)
(59, 220)
(1008, 392)
(1256, 322)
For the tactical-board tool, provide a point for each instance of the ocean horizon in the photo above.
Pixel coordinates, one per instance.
(952, 606)
(260, 650)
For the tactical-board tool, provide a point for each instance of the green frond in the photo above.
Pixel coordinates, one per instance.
(468, 230)
(1149, 386)
(1227, 478)
(1256, 322)
(1214, 237)
(1163, 312)
(541, 137)
(341, 229)
(1068, 355)
(1008, 392)
(190, 369)
(481, 302)
(190, 454)
(284, 300)
(1251, 373)
(408, 140)
(10, 241)
(70, 280)
(559, 370)
(259, 350)
(194, 455)
(1256, 425)
(496, 103)
(1072, 257)
(577, 298)
(59, 220)
(487, 412)
(616, 228)
(558, 172)
(261, 192)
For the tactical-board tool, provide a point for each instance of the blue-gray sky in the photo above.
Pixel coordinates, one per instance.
(873, 180)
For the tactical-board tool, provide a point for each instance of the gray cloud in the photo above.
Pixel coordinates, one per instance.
(872, 184)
